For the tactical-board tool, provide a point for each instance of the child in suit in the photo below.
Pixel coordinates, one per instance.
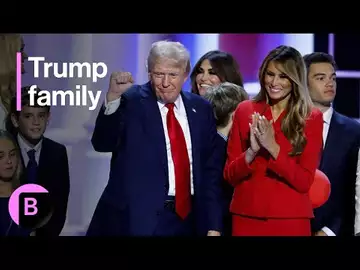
(224, 98)
(45, 161)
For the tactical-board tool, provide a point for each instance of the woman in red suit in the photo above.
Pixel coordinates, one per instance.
(273, 151)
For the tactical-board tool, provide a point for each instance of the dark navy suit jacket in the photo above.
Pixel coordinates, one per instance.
(338, 162)
(53, 174)
(134, 197)
(227, 190)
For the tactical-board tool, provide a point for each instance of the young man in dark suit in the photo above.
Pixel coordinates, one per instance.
(45, 161)
(165, 175)
(224, 99)
(341, 138)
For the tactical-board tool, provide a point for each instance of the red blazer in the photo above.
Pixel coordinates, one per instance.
(269, 188)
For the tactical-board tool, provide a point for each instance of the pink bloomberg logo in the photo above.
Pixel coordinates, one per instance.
(30, 206)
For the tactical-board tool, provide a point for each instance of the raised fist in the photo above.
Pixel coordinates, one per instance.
(119, 83)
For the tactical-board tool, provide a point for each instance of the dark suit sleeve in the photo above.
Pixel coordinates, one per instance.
(300, 175)
(60, 199)
(213, 174)
(336, 222)
(345, 198)
(108, 128)
(347, 203)
(64, 197)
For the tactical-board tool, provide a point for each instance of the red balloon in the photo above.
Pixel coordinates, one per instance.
(320, 190)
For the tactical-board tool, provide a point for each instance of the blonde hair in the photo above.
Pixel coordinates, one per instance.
(15, 181)
(300, 105)
(10, 44)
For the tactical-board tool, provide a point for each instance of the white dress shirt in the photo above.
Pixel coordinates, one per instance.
(327, 115)
(25, 148)
(180, 114)
(357, 198)
(223, 136)
(327, 119)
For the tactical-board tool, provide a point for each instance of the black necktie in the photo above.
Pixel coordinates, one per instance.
(31, 167)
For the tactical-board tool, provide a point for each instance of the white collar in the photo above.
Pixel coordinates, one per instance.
(178, 102)
(24, 145)
(327, 115)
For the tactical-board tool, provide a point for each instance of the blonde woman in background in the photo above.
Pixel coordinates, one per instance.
(10, 173)
(10, 44)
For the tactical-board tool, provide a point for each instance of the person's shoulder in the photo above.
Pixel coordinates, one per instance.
(348, 120)
(315, 113)
(246, 104)
(246, 107)
(134, 91)
(55, 146)
(197, 99)
(314, 119)
(352, 125)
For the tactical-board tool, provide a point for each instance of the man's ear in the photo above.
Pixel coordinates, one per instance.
(231, 119)
(48, 118)
(14, 120)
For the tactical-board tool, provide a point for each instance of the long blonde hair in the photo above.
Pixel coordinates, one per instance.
(15, 181)
(10, 44)
(300, 105)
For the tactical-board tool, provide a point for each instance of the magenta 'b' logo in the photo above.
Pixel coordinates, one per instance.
(30, 206)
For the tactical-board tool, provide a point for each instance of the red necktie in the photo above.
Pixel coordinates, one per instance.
(181, 163)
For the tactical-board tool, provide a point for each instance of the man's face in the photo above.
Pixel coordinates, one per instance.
(322, 83)
(31, 122)
(167, 79)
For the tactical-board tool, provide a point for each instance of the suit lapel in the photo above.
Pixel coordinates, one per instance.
(43, 161)
(23, 178)
(332, 140)
(192, 117)
(153, 125)
(191, 114)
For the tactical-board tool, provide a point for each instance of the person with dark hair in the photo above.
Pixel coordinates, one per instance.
(224, 98)
(341, 135)
(273, 151)
(213, 68)
(45, 161)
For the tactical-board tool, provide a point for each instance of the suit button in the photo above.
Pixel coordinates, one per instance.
(158, 213)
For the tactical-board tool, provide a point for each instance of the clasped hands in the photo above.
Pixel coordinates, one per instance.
(262, 134)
